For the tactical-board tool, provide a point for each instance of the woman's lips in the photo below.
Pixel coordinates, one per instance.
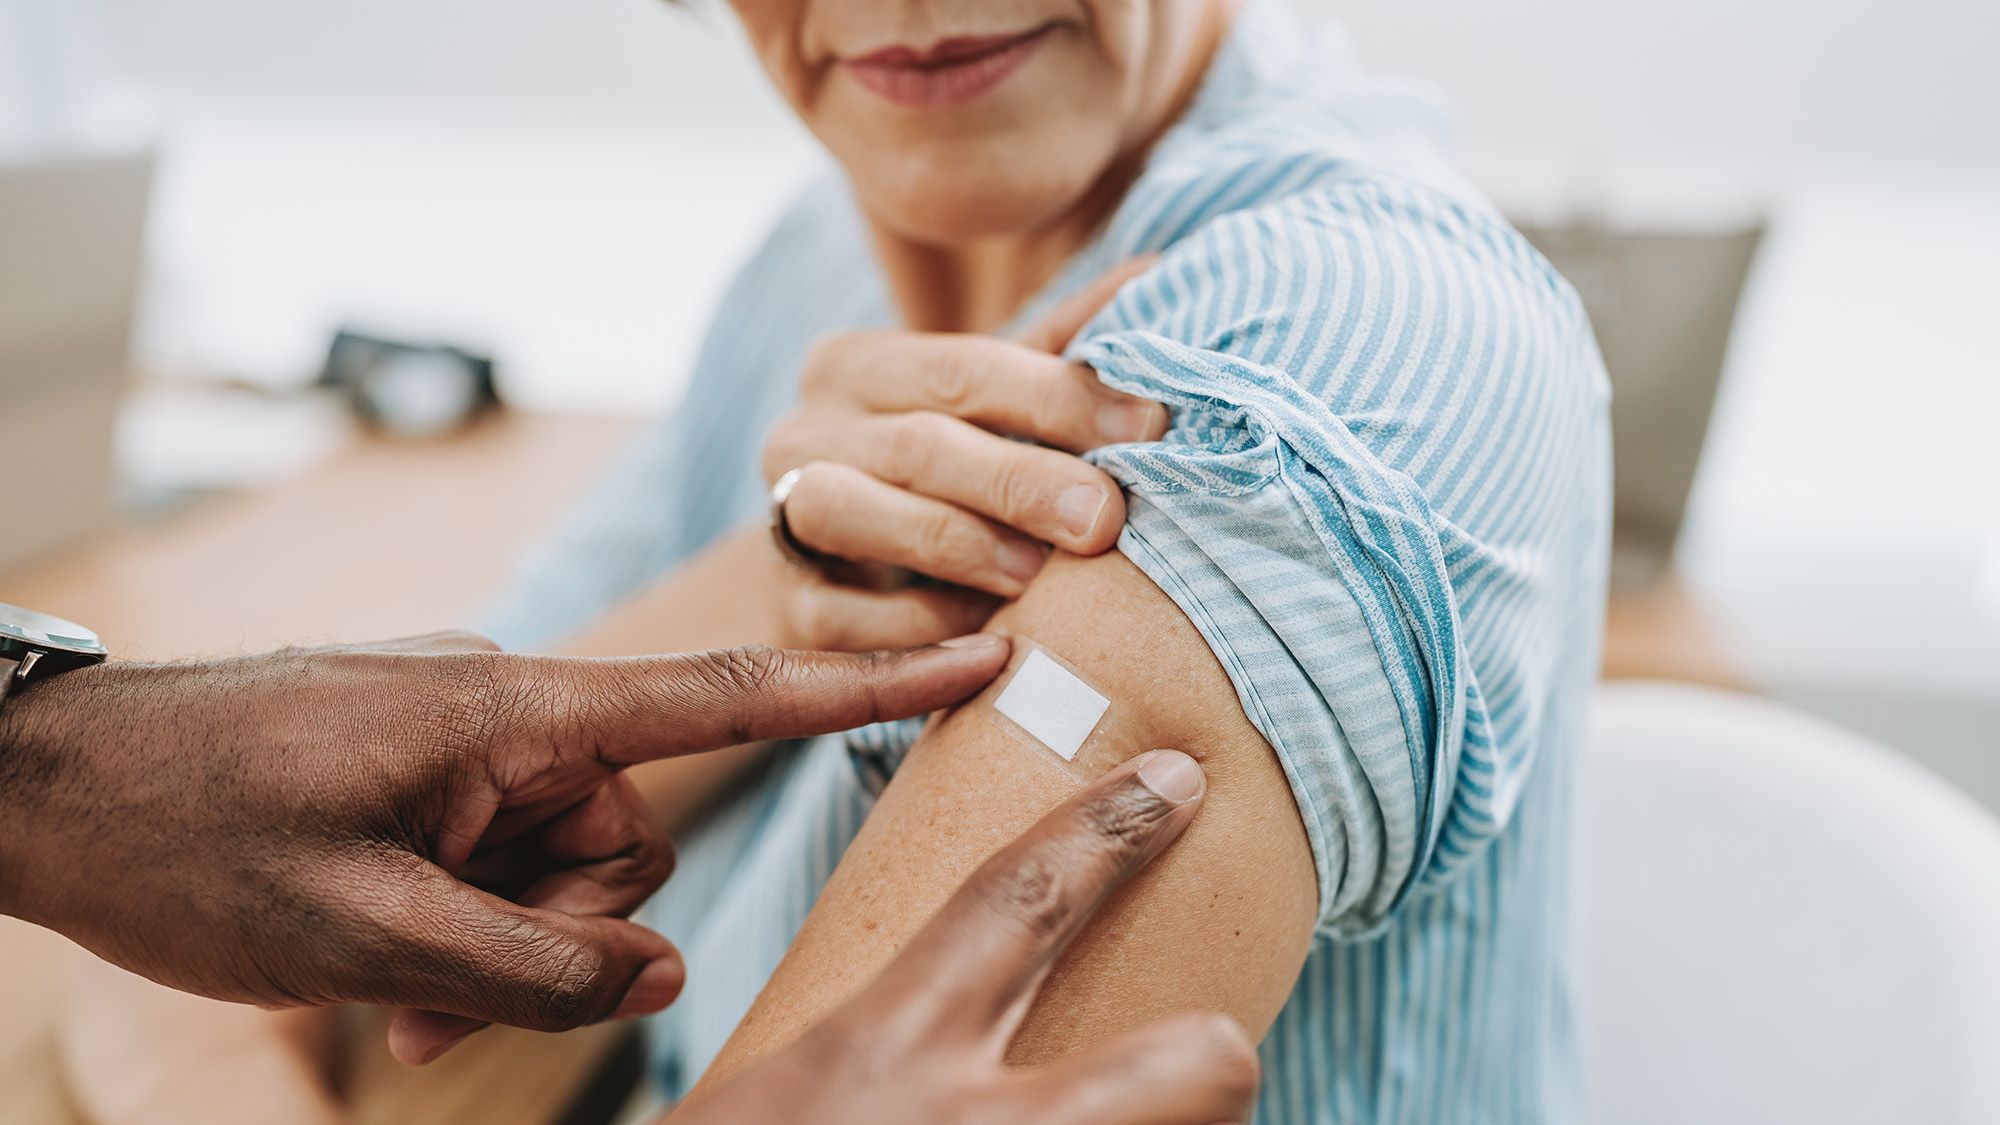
(952, 72)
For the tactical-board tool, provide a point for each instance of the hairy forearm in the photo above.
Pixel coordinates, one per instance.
(30, 765)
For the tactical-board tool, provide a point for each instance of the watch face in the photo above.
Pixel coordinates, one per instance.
(43, 631)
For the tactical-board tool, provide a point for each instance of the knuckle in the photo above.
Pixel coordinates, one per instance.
(1123, 820)
(1030, 891)
(824, 357)
(909, 444)
(731, 682)
(467, 699)
(569, 989)
(946, 548)
(950, 382)
(746, 670)
(1013, 488)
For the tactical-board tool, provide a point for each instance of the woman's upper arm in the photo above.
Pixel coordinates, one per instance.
(1221, 922)
(1349, 575)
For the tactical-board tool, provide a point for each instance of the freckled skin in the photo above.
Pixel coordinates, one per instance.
(925, 1042)
(1221, 922)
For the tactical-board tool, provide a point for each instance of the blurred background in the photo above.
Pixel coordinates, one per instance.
(561, 188)
(1784, 214)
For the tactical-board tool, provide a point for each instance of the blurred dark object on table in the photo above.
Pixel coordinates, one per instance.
(410, 390)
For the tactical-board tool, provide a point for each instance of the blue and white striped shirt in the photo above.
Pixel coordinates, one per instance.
(1383, 501)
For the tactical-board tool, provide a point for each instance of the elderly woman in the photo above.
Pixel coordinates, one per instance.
(1318, 493)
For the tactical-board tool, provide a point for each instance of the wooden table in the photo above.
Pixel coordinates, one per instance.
(390, 539)
(387, 539)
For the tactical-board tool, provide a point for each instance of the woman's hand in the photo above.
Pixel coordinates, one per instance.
(903, 444)
(927, 1041)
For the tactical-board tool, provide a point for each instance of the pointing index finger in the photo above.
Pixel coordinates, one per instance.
(632, 710)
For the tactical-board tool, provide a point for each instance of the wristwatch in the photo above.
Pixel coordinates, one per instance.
(35, 644)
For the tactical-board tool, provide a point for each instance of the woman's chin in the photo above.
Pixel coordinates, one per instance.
(954, 210)
(967, 189)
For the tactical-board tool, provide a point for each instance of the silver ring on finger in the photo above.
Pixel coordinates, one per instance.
(843, 571)
(781, 528)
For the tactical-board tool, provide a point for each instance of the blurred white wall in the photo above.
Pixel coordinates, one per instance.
(1826, 81)
(1823, 79)
(566, 180)
(562, 183)
(627, 58)
(55, 81)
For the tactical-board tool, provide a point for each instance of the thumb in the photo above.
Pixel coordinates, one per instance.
(452, 950)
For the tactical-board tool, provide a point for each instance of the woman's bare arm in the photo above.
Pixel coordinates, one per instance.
(1222, 922)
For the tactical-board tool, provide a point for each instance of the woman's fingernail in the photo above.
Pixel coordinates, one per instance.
(1021, 561)
(1080, 507)
(1130, 420)
(1172, 775)
(974, 640)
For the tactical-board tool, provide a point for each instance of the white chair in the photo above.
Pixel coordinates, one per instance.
(1783, 922)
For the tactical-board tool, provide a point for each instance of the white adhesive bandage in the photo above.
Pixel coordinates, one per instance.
(1049, 702)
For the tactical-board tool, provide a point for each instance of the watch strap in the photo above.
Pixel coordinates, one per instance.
(9, 669)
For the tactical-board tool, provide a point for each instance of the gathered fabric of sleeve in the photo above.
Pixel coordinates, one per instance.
(1383, 482)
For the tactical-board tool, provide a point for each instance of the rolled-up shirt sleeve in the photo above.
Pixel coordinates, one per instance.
(1387, 418)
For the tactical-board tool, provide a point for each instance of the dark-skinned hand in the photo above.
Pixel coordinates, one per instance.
(429, 824)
